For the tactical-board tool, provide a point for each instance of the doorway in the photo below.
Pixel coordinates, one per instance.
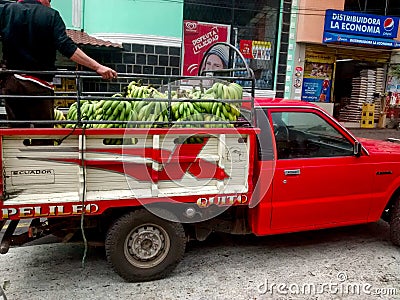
(357, 82)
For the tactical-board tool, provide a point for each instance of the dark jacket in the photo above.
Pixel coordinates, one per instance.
(31, 34)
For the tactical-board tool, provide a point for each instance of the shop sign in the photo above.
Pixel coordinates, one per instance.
(320, 57)
(317, 82)
(330, 37)
(354, 23)
(256, 49)
(197, 38)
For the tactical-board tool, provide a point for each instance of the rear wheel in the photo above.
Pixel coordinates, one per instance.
(395, 223)
(141, 246)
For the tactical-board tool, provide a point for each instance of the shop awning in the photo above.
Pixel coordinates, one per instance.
(356, 40)
(82, 38)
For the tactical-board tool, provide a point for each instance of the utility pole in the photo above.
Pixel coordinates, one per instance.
(386, 7)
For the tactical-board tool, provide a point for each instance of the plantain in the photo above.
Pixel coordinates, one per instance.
(140, 105)
(181, 108)
(128, 106)
(107, 105)
(224, 111)
(122, 115)
(142, 113)
(157, 109)
(140, 92)
(225, 92)
(131, 85)
(220, 93)
(114, 104)
(191, 107)
(99, 104)
(214, 108)
(133, 116)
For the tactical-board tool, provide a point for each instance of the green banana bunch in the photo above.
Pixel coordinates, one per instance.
(156, 112)
(187, 111)
(228, 111)
(232, 91)
(72, 112)
(112, 110)
(58, 116)
(152, 111)
(135, 90)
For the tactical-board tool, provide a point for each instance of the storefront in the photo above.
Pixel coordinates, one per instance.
(351, 66)
(254, 29)
(344, 79)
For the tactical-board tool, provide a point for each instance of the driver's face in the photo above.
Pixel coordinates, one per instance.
(214, 62)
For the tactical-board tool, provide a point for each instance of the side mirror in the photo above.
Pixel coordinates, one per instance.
(357, 149)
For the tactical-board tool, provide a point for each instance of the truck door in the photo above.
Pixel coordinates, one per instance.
(318, 182)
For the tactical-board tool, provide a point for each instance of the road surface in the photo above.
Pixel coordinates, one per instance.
(355, 262)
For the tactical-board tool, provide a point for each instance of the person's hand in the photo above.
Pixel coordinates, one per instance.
(106, 72)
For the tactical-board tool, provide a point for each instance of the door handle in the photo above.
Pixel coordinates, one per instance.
(292, 172)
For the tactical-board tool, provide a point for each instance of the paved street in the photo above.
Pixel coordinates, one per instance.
(345, 263)
(378, 134)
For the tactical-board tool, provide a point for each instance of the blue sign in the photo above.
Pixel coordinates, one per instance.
(353, 23)
(316, 90)
(337, 38)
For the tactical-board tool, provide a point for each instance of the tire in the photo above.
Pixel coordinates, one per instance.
(160, 246)
(395, 223)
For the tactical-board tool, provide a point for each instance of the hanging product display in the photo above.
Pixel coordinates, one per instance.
(256, 49)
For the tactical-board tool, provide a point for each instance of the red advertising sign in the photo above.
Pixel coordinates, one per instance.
(197, 38)
(256, 49)
(246, 48)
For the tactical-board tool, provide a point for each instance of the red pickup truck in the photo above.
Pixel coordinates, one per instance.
(297, 169)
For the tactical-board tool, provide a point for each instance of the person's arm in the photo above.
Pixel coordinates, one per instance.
(81, 58)
(68, 48)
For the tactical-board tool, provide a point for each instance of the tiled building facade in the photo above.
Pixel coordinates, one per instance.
(134, 59)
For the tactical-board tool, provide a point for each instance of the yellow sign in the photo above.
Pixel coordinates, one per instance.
(320, 58)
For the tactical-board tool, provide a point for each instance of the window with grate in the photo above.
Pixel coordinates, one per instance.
(254, 20)
(376, 7)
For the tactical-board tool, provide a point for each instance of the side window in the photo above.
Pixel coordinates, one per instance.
(307, 135)
(264, 138)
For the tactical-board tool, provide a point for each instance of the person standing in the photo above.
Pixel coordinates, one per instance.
(32, 32)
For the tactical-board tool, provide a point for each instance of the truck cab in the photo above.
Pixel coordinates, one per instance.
(322, 175)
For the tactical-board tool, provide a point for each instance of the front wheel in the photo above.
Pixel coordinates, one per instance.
(141, 246)
(395, 223)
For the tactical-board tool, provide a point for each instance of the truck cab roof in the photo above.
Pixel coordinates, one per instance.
(279, 102)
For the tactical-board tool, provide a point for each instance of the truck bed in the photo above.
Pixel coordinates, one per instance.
(154, 163)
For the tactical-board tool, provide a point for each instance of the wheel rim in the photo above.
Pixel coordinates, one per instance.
(147, 245)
